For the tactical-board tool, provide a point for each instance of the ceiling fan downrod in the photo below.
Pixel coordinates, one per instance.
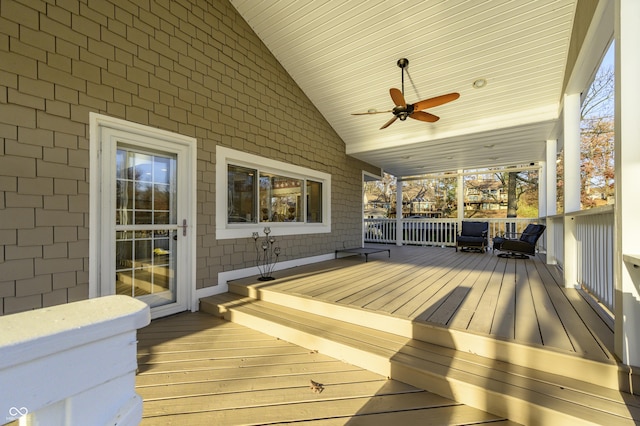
(402, 112)
(403, 63)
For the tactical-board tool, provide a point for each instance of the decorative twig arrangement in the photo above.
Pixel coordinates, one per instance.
(266, 254)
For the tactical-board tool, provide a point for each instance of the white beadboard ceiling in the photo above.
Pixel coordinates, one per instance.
(343, 54)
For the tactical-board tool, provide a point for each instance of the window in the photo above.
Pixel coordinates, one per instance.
(314, 202)
(241, 199)
(257, 191)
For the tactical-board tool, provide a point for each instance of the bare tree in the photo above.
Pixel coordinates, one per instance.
(597, 140)
(598, 102)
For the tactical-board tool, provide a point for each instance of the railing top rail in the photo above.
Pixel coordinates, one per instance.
(592, 212)
(42, 332)
(589, 212)
(452, 219)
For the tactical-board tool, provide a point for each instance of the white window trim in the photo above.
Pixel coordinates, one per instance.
(224, 230)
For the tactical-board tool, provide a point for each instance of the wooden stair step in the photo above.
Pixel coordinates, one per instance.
(551, 360)
(519, 393)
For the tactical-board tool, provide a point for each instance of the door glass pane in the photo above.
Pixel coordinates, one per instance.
(145, 185)
(146, 226)
(145, 266)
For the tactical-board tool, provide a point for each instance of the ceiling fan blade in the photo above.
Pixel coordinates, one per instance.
(433, 102)
(398, 97)
(389, 123)
(372, 112)
(424, 116)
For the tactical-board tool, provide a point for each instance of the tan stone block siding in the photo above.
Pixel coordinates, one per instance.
(192, 67)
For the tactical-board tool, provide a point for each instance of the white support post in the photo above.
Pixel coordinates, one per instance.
(549, 176)
(627, 176)
(571, 186)
(460, 196)
(542, 189)
(399, 227)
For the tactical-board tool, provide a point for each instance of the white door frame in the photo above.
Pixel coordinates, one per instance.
(102, 199)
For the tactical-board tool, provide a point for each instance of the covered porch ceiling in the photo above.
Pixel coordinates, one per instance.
(343, 54)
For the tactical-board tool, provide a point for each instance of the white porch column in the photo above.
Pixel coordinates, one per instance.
(542, 189)
(571, 185)
(399, 236)
(627, 178)
(549, 177)
(460, 196)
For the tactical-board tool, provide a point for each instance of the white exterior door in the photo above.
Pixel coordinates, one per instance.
(144, 241)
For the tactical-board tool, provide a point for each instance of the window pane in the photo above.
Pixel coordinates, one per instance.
(280, 198)
(314, 202)
(241, 190)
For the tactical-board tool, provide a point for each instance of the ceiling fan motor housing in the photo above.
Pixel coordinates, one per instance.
(402, 112)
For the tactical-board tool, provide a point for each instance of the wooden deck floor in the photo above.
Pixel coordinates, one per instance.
(512, 299)
(195, 369)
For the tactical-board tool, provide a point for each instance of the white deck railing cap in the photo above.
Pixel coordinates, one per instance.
(34, 334)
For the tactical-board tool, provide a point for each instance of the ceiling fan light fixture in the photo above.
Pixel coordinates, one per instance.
(479, 83)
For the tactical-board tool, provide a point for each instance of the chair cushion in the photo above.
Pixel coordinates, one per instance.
(531, 233)
(474, 229)
(465, 239)
(518, 247)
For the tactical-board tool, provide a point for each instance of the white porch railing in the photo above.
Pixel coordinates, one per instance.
(435, 232)
(72, 364)
(594, 232)
(555, 256)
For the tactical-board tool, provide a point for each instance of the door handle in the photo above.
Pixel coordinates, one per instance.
(184, 227)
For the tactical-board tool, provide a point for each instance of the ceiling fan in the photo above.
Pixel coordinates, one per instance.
(402, 110)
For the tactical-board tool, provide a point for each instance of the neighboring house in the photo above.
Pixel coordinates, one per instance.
(191, 75)
(485, 194)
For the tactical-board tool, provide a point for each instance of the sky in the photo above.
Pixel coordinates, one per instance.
(609, 56)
